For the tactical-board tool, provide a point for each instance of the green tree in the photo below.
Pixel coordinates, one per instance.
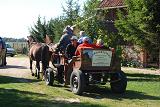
(141, 25)
(41, 29)
(59, 25)
(71, 12)
(89, 22)
(50, 29)
(55, 26)
(69, 17)
(94, 23)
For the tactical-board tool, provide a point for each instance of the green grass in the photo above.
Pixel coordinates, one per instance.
(143, 90)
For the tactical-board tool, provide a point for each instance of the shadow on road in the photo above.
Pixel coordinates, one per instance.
(8, 79)
(13, 66)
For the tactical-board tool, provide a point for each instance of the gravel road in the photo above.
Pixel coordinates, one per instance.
(16, 67)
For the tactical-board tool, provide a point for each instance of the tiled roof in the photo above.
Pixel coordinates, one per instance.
(111, 3)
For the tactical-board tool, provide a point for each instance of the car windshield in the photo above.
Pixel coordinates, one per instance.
(8, 46)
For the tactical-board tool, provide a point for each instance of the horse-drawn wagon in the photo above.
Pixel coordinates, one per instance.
(93, 66)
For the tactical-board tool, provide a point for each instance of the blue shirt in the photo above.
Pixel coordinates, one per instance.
(80, 40)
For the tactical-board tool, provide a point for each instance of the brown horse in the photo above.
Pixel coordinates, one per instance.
(35, 51)
(49, 54)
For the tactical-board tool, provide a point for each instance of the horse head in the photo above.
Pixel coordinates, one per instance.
(31, 40)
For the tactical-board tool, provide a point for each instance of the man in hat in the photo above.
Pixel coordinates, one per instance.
(71, 48)
(65, 39)
(70, 52)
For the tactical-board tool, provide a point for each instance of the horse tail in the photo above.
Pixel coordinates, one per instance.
(45, 57)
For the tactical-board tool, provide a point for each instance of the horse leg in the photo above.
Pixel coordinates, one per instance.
(45, 57)
(44, 67)
(38, 69)
(31, 66)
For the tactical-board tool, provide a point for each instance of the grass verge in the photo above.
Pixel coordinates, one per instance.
(143, 90)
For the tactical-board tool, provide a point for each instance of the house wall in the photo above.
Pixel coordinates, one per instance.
(19, 46)
(138, 57)
(132, 56)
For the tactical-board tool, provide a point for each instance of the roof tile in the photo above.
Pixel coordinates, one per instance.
(111, 3)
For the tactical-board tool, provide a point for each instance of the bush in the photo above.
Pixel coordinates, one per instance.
(25, 50)
(130, 63)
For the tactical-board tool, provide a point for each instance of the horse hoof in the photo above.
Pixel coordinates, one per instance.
(35, 75)
(43, 78)
(32, 74)
(38, 77)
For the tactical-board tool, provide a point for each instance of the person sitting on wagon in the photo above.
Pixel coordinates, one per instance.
(70, 52)
(65, 39)
(85, 44)
(71, 48)
(82, 35)
(100, 43)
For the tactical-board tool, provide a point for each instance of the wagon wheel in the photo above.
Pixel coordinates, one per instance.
(77, 82)
(49, 76)
(119, 83)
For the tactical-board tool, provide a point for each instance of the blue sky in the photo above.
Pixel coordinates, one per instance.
(16, 16)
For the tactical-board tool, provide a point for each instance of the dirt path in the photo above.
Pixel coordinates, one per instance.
(16, 67)
(140, 70)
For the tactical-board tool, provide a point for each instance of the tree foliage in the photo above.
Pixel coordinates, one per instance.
(41, 29)
(141, 25)
(54, 27)
(71, 12)
(95, 25)
(88, 22)
(59, 25)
